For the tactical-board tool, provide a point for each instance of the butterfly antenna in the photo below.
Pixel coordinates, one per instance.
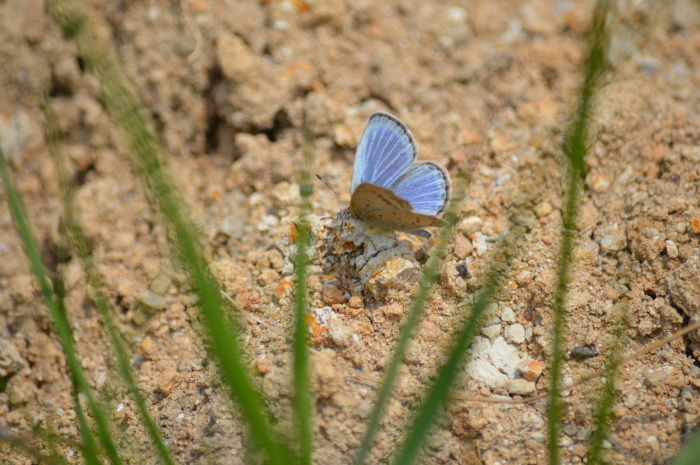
(332, 190)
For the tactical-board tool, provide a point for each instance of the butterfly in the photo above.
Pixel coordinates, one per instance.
(389, 190)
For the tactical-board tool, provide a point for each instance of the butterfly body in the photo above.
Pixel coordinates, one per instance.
(389, 190)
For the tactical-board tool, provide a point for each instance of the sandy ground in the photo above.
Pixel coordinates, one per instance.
(483, 86)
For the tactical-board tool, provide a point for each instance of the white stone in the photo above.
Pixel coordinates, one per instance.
(515, 333)
(492, 331)
(507, 315)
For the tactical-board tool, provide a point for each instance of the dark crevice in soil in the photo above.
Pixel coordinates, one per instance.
(687, 342)
(220, 135)
(158, 123)
(52, 256)
(279, 125)
(80, 175)
(118, 303)
(59, 88)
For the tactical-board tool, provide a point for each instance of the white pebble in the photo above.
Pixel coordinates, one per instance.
(507, 315)
(515, 333)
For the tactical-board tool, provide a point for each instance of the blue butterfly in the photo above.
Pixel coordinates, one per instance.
(389, 190)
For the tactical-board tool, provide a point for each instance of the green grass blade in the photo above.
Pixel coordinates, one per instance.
(603, 414)
(575, 147)
(88, 445)
(122, 107)
(302, 385)
(28, 449)
(438, 394)
(689, 453)
(59, 318)
(80, 244)
(431, 273)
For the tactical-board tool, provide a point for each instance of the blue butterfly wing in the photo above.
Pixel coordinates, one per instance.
(385, 152)
(426, 186)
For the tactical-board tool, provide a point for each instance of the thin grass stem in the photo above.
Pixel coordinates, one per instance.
(575, 148)
(58, 315)
(145, 150)
(302, 385)
(80, 243)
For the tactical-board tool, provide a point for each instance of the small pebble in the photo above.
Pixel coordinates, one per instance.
(565, 441)
(570, 430)
(671, 249)
(695, 225)
(583, 352)
(479, 242)
(339, 333)
(598, 183)
(463, 247)
(284, 287)
(267, 223)
(148, 348)
(168, 381)
(507, 315)
(490, 315)
(515, 333)
(470, 225)
(519, 387)
(543, 209)
(150, 298)
(531, 370)
(568, 381)
(355, 302)
(393, 310)
(492, 331)
(160, 284)
(579, 450)
(264, 366)
(332, 295)
(462, 270)
(645, 327)
(613, 238)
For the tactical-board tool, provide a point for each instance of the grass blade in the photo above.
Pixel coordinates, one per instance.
(431, 273)
(80, 243)
(575, 148)
(689, 453)
(59, 318)
(603, 415)
(438, 394)
(302, 387)
(27, 448)
(122, 107)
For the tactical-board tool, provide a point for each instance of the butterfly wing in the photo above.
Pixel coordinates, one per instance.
(386, 150)
(425, 186)
(383, 209)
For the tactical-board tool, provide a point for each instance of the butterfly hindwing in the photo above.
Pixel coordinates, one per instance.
(425, 186)
(382, 209)
(369, 198)
(400, 220)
